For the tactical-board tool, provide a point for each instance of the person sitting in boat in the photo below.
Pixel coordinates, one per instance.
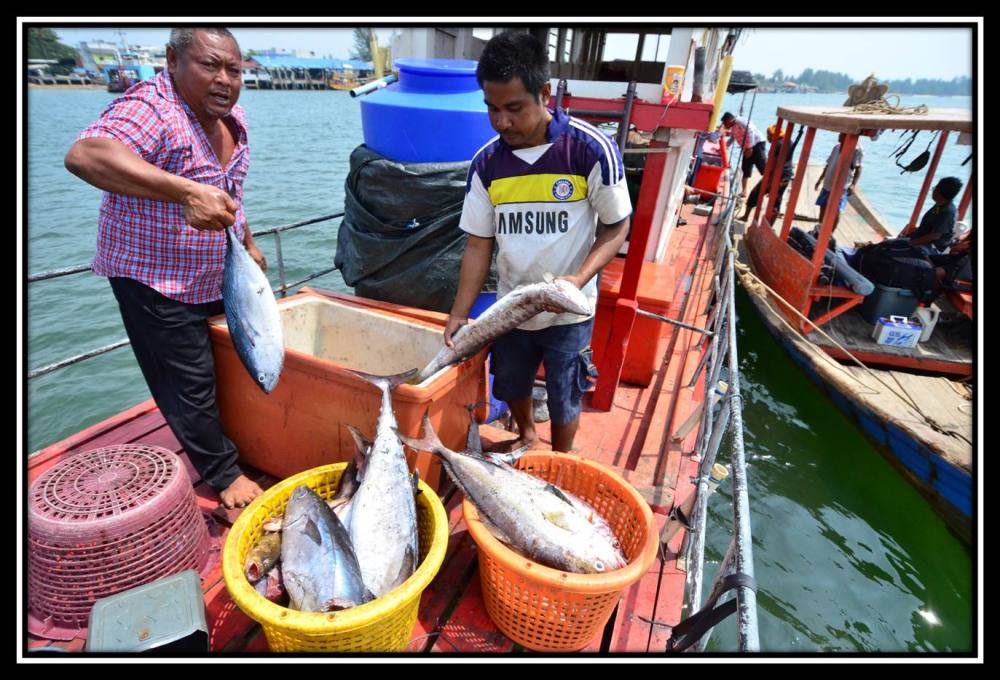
(751, 141)
(786, 169)
(953, 269)
(850, 180)
(171, 156)
(937, 226)
(538, 191)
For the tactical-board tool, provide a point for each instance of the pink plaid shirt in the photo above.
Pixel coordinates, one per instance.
(148, 240)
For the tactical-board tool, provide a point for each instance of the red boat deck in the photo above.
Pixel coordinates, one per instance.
(636, 437)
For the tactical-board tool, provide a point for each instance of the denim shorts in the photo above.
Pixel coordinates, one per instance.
(569, 366)
(823, 195)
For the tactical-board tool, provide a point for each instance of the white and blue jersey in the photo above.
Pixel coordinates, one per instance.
(542, 205)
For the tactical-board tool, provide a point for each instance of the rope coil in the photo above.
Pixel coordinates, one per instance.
(883, 106)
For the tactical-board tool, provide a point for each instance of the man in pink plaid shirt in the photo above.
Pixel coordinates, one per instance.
(171, 155)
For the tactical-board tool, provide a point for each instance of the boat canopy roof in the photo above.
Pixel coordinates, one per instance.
(843, 119)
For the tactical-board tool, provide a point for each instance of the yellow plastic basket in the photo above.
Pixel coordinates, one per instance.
(382, 625)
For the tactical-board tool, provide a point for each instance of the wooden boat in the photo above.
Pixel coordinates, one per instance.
(645, 419)
(915, 404)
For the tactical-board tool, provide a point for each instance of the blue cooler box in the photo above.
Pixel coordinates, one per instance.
(897, 331)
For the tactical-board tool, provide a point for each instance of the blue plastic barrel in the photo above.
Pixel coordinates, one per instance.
(497, 408)
(435, 113)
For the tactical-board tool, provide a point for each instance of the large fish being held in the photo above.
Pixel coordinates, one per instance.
(509, 312)
(535, 518)
(383, 512)
(252, 315)
(319, 567)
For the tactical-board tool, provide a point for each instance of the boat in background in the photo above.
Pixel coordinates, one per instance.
(914, 404)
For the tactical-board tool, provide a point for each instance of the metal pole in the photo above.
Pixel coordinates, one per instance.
(749, 640)
(724, 568)
(672, 322)
(77, 359)
(281, 262)
(626, 116)
(696, 546)
(56, 273)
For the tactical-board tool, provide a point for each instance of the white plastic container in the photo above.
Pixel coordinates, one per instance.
(928, 318)
(897, 331)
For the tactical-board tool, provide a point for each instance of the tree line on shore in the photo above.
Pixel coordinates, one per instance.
(828, 81)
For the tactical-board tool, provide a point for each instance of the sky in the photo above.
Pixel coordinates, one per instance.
(891, 53)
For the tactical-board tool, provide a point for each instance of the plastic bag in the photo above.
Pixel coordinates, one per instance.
(399, 240)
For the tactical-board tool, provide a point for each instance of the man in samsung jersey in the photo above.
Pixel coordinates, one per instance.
(538, 190)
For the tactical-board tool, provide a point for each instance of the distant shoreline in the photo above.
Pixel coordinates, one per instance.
(63, 86)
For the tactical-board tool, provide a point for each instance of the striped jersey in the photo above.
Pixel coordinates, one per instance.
(149, 240)
(542, 205)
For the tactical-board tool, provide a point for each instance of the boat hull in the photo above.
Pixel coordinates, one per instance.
(947, 487)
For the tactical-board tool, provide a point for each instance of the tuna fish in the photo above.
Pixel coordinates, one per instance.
(535, 518)
(319, 566)
(252, 315)
(509, 312)
(383, 514)
(473, 443)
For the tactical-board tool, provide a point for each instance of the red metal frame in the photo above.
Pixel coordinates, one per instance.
(626, 306)
(966, 197)
(797, 181)
(772, 199)
(646, 116)
(928, 178)
(766, 180)
(852, 300)
(831, 212)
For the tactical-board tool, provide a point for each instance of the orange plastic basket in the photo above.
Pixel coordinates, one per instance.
(548, 610)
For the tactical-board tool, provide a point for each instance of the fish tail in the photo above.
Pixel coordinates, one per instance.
(429, 442)
(390, 382)
(360, 441)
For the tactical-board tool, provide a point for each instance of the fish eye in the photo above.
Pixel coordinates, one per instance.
(261, 377)
(599, 566)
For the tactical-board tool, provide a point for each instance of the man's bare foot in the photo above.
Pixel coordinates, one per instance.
(240, 492)
(508, 445)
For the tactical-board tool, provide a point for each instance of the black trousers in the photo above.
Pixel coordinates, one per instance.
(756, 158)
(171, 343)
(755, 194)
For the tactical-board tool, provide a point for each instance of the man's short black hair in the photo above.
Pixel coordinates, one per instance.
(949, 187)
(726, 117)
(182, 38)
(513, 54)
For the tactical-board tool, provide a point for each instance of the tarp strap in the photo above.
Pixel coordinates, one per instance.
(691, 629)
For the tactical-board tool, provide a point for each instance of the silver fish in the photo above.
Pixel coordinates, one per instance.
(319, 567)
(351, 478)
(535, 518)
(383, 514)
(509, 312)
(252, 315)
(474, 444)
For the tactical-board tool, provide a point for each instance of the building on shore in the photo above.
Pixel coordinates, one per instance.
(287, 71)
